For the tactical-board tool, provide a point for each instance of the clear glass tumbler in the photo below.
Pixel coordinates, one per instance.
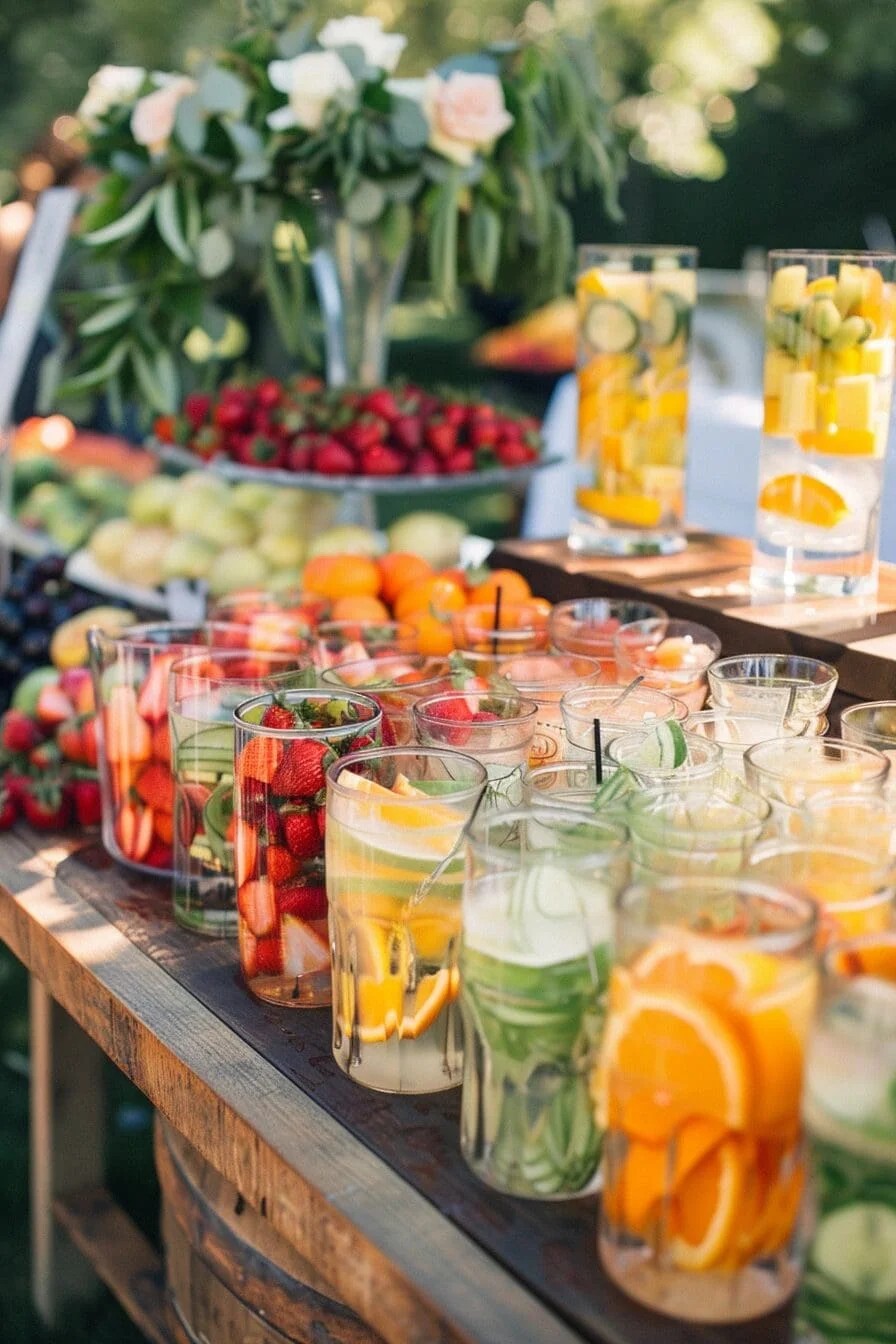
(635, 306)
(830, 320)
(497, 729)
(671, 655)
(588, 624)
(545, 678)
(396, 681)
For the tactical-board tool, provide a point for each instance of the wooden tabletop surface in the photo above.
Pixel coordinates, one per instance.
(371, 1189)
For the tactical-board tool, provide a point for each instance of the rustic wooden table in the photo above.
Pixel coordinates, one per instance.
(371, 1190)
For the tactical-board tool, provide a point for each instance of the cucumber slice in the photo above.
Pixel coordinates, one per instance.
(610, 327)
(663, 748)
(613, 790)
(856, 1246)
(670, 316)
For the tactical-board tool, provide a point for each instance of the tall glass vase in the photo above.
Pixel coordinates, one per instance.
(357, 278)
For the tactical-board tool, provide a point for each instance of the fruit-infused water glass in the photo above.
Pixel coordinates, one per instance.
(203, 691)
(781, 684)
(574, 784)
(493, 633)
(282, 621)
(619, 710)
(338, 642)
(635, 306)
(828, 387)
(396, 681)
(588, 625)
(695, 828)
(395, 831)
(733, 732)
(545, 678)
(535, 960)
(663, 754)
(854, 888)
(849, 1289)
(872, 724)
(497, 729)
(672, 656)
(788, 771)
(285, 742)
(699, 1088)
(130, 678)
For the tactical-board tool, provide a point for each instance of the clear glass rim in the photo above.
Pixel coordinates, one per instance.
(844, 946)
(639, 250)
(142, 637)
(721, 668)
(627, 741)
(673, 628)
(656, 796)
(183, 670)
(470, 616)
(595, 823)
(548, 768)
(767, 849)
(529, 709)
(776, 940)
(853, 713)
(563, 610)
(323, 629)
(587, 674)
(331, 676)
(446, 754)
(324, 693)
(291, 595)
(576, 700)
(835, 254)
(813, 747)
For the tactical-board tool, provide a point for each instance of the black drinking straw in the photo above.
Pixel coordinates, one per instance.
(496, 626)
(598, 762)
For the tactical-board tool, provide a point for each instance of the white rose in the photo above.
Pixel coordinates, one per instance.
(466, 113)
(152, 119)
(311, 81)
(380, 48)
(109, 87)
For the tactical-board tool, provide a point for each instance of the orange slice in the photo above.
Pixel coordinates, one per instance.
(805, 499)
(379, 1007)
(637, 1188)
(695, 965)
(434, 992)
(708, 1207)
(774, 1030)
(634, 510)
(667, 1058)
(871, 958)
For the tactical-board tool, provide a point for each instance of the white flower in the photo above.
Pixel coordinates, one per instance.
(380, 48)
(109, 87)
(311, 81)
(152, 120)
(466, 113)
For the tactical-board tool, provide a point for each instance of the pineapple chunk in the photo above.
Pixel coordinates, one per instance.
(788, 289)
(876, 357)
(850, 287)
(798, 396)
(823, 284)
(777, 365)
(854, 397)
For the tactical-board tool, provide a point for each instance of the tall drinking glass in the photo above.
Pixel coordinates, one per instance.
(699, 1089)
(203, 691)
(535, 960)
(872, 724)
(782, 684)
(635, 306)
(694, 829)
(733, 732)
(828, 387)
(849, 1290)
(395, 823)
(396, 681)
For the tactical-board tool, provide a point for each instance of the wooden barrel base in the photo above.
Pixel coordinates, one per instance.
(231, 1279)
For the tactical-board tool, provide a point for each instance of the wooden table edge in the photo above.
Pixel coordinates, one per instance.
(388, 1253)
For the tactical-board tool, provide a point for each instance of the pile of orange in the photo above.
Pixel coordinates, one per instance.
(405, 587)
(700, 1074)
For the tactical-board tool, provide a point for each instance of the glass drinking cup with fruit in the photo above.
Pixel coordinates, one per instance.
(830, 321)
(285, 742)
(130, 675)
(635, 306)
(495, 728)
(672, 656)
(395, 681)
(204, 690)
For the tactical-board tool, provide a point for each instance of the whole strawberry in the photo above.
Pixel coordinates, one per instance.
(334, 459)
(305, 902)
(18, 732)
(300, 773)
(279, 715)
(301, 834)
(46, 806)
(87, 802)
(196, 408)
(9, 809)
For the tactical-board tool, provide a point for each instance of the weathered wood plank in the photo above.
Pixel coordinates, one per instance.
(388, 1253)
(121, 1255)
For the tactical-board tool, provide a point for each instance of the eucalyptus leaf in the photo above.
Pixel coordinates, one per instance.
(214, 252)
(366, 202)
(213, 321)
(443, 243)
(129, 165)
(222, 93)
(148, 382)
(192, 212)
(396, 229)
(251, 170)
(115, 401)
(353, 56)
(246, 140)
(99, 374)
(49, 376)
(485, 243)
(294, 41)
(470, 63)
(280, 300)
(408, 123)
(106, 319)
(168, 379)
(169, 225)
(401, 189)
(128, 224)
(190, 123)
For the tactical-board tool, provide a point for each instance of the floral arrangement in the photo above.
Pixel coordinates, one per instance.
(209, 181)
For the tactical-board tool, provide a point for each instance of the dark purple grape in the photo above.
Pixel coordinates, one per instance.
(49, 567)
(36, 645)
(11, 666)
(37, 609)
(18, 586)
(80, 600)
(10, 619)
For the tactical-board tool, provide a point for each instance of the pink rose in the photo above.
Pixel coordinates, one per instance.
(152, 119)
(466, 113)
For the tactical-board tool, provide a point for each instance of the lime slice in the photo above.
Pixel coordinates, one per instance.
(664, 748)
(856, 1246)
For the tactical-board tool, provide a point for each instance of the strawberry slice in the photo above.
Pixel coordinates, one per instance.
(159, 855)
(255, 900)
(248, 945)
(269, 956)
(155, 787)
(161, 742)
(260, 758)
(133, 831)
(304, 951)
(245, 851)
(281, 865)
(305, 902)
(152, 703)
(163, 825)
(53, 707)
(127, 737)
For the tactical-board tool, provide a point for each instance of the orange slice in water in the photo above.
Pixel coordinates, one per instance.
(804, 499)
(434, 992)
(708, 1207)
(634, 510)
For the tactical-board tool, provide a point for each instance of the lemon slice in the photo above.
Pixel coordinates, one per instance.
(636, 510)
(805, 499)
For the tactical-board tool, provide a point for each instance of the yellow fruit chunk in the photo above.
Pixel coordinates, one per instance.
(379, 1007)
(824, 284)
(636, 510)
(591, 283)
(434, 992)
(798, 396)
(876, 358)
(771, 420)
(849, 442)
(805, 499)
(854, 398)
(709, 1207)
(700, 966)
(778, 364)
(788, 287)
